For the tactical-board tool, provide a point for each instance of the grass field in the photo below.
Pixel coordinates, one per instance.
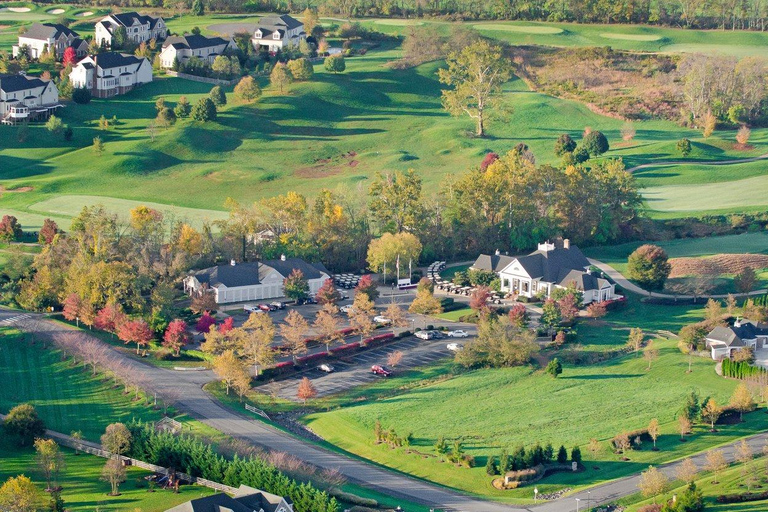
(84, 491)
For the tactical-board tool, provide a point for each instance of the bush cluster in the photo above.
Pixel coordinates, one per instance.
(741, 369)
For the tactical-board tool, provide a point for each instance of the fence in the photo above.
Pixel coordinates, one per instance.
(203, 79)
(254, 410)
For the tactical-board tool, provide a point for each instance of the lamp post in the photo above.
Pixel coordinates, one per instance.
(589, 500)
(577, 504)
(535, 493)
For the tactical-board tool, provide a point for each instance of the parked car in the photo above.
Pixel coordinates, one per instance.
(381, 370)
(264, 308)
(344, 296)
(382, 320)
(277, 305)
(325, 367)
(458, 333)
(250, 308)
(308, 300)
(454, 347)
(347, 308)
(436, 335)
(424, 335)
(272, 307)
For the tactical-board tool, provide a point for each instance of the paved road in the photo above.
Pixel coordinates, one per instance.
(200, 405)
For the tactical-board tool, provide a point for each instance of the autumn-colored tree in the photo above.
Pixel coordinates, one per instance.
(327, 325)
(257, 344)
(293, 331)
(145, 220)
(228, 368)
(550, 315)
(568, 306)
(518, 316)
(72, 305)
(20, 494)
(135, 331)
(360, 318)
(109, 317)
(49, 460)
(367, 286)
(247, 89)
(596, 310)
(306, 390)
(652, 483)
(176, 336)
(70, 57)
(635, 339)
(741, 400)
(711, 412)
(715, 462)
(394, 358)
(203, 302)
(650, 353)
(47, 233)
(654, 431)
(391, 250)
(425, 303)
(295, 286)
(10, 229)
(745, 280)
(684, 425)
(205, 322)
(114, 473)
(742, 136)
(396, 315)
(116, 439)
(280, 76)
(227, 325)
(488, 160)
(191, 242)
(687, 471)
(478, 301)
(649, 266)
(327, 293)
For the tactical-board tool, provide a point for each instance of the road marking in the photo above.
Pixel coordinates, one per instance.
(14, 319)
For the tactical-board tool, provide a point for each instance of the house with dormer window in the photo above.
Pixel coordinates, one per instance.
(109, 74)
(26, 98)
(44, 37)
(554, 265)
(138, 28)
(274, 33)
(183, 48)
(245, 499)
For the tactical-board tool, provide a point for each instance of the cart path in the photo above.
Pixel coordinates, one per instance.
(700, 162)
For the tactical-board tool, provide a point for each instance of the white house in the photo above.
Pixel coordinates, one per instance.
(246, 499)
(238, 282)
(109, 74)
(43, 37)
(182, 48)
(724, 341)
(554, 265)
(138, 28)
(274, 33)
(27, 98)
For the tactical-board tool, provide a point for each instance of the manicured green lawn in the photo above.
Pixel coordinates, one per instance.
(84, 491)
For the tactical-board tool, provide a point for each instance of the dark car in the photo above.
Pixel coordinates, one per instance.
(381, 370)
(277, 305)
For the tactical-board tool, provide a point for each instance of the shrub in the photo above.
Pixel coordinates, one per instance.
(23, 423)
(595, 143)
(564, 144)
(684, 147)
(204, 110)
(335, 64)
(301, 69)
(81, 96)
(217, 96)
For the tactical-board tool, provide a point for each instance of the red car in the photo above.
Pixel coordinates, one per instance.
(264, 308)
(381, 370)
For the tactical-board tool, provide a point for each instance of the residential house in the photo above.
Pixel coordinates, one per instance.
(274, 33)
(182, 48)
(246, 499)
(554, 265)
(724, 341)
(27, 98)
(238, 282)
(43, 37)
(109, 74)
(138, 28)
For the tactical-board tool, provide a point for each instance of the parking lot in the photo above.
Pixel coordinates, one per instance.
(356, 369)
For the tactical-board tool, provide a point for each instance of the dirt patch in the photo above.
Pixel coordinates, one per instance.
(316, 171)
(353, 163)
(717, 265)
(19, 189)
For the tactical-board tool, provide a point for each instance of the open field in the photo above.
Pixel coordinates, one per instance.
(84, 491)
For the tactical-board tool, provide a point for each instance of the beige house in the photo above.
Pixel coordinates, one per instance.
(109, 74)
(43, 37)
(26, 98)
(274, 33)
(183, 48)
(138, 28)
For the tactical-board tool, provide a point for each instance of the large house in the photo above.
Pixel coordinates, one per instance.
(554, 265)
(246, 499)
(253, 280)
(27, 98)
(109, 74)
(274, 33)
(182, 48)
(138, 28)
(44, 37)
(724, 341)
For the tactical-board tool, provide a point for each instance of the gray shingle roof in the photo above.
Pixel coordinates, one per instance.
(284, 268)
(492, 263)
(246, 499)
(44, 31)
(13, 83)
(734, 335)
(252, 273)
(194, 42)
(128, 19)
(109, 60)
(279, 22)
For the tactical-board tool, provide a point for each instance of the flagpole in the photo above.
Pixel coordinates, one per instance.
(398, 268)
(410, 270)
(385, 272)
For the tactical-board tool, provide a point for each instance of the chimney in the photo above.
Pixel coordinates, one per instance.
(282, 257)
(566, 244)
(232, 262)
(498, 252)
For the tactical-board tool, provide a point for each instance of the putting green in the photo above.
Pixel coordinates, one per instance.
(708, 196)
(631, 37)
(399, 23)
(70, 206)
(522, 29)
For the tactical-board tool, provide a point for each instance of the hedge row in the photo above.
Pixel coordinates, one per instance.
(741, 369)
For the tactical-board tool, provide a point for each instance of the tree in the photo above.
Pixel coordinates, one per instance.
(396, 315)
(202, 303)
(743, 455)
(628, 131)
(204, 110)
(367, 286)
(205, 322)
(198, 8)
(49, 460)
(221, 67)
(327, 325)
(116, 439)
(569, 308)
(394, 358)
(327, 293)
(114, 473)
(518, 316)
(554, 368)
(596, 310)
(335, 64)
(684, 425)
(183, 108)
(109, 317)
(166, 117)
(228, 368)
(19, 494)
(257, 344)
(687, 471)
(306, 390)
(301, 69)
(595, 143)
(650, 353)
(564, 144)
(217, 96)
(745, 280)
(98, 145)
(390, 250)
(310, 19)
(295, 286)
(741, 400)
(742, 136)
(247, 89)
(649, 266)
(176, 336)
(293, 331)
(23, 423)
(280, 76)
(54, 125)
(711, 412)
(654, 431)
(360, 316)
(684, 147)
(478, 301)
(81, 95)
(594, 448)
(652, 483)
(715, 462)
(708, 123)
(10, 229)
(476, 74)
(550, 315)
(47, 233)
(397, 204)
(135, 331)
(425, 303)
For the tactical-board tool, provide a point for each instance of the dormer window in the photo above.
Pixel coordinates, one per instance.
(277, 35)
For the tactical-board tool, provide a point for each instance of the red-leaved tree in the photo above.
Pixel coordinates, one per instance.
(70, 57)
(135, 331)
(367, 286)
(479, 300)
(204, 323)
(488, 160)
(568, 308)
(227, 325)
(328, 294)
(176, 336)
(109, 317)
(72, 305)
(518, 316)
(47, 232)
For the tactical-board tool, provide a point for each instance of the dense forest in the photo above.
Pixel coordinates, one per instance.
(723, 14)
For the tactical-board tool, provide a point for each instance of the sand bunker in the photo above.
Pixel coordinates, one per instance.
(631, 37)
(84, 14)
(18, 9)
(521, 29)
(56, 11)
